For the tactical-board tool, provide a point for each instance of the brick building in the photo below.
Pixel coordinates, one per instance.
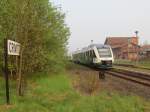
(145, 51)
(124, 47)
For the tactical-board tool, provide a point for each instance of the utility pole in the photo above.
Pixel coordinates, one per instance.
(136, 33)
(91, 41)
(128, 47)
(137, 49)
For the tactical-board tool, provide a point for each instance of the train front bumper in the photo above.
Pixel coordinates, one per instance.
(105, 64)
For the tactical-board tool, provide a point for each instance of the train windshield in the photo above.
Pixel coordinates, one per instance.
(104, 52)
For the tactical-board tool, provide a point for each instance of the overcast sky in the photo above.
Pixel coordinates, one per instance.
(97, 19)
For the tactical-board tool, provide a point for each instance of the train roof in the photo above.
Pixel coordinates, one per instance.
(99, 45)
(91, 47)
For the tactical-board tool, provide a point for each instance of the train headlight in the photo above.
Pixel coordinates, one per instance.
(106, 62)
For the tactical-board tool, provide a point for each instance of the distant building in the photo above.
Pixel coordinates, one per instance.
(124, 47)
(145, 51)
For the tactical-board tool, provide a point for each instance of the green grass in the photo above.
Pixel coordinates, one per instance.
(142, 63)
(145, 63)
(54, 93)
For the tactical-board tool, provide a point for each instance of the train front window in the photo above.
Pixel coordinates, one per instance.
(104, 52)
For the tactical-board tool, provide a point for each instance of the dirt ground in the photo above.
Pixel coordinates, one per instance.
(86, 81)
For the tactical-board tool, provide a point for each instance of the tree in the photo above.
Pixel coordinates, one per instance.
(41, 30)
(39, 27)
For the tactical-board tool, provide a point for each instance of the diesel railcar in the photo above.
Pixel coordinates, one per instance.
(97, 55)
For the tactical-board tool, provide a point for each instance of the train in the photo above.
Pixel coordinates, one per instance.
(95, 55)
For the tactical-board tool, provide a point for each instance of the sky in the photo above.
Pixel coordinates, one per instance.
(97, 19)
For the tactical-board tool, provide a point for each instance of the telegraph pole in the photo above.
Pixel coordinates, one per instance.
(91, 41)
(136, 33)
(137, 49)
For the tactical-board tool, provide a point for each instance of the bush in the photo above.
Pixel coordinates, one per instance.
(87, 82)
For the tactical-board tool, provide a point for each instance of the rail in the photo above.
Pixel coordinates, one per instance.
(140, 78)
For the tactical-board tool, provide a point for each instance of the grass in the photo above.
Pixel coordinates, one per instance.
(145, 63)
(142, 63)
(54, 93)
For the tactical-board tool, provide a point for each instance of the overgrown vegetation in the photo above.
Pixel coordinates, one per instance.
(54, 93)
(86, 82)
(40, 28)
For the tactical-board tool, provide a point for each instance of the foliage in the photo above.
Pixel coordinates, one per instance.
(53, 93)
(41, 30)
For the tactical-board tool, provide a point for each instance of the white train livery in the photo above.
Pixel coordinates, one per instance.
(97, 55)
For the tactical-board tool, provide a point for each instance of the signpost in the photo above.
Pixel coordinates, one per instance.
(10, 48)
(13, 48)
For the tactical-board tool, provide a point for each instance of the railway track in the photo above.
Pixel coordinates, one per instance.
(132, 76)
(136, 77)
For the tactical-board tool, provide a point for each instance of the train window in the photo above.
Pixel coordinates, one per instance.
(94, 54)
(105, 52)
(91, 53)
(86, 53)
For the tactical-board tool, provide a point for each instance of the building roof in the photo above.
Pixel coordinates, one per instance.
(122, 43)
(145, 48)
(115, 42)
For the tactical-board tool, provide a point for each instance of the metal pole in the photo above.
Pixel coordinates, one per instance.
(6, 70)
(102, 74)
